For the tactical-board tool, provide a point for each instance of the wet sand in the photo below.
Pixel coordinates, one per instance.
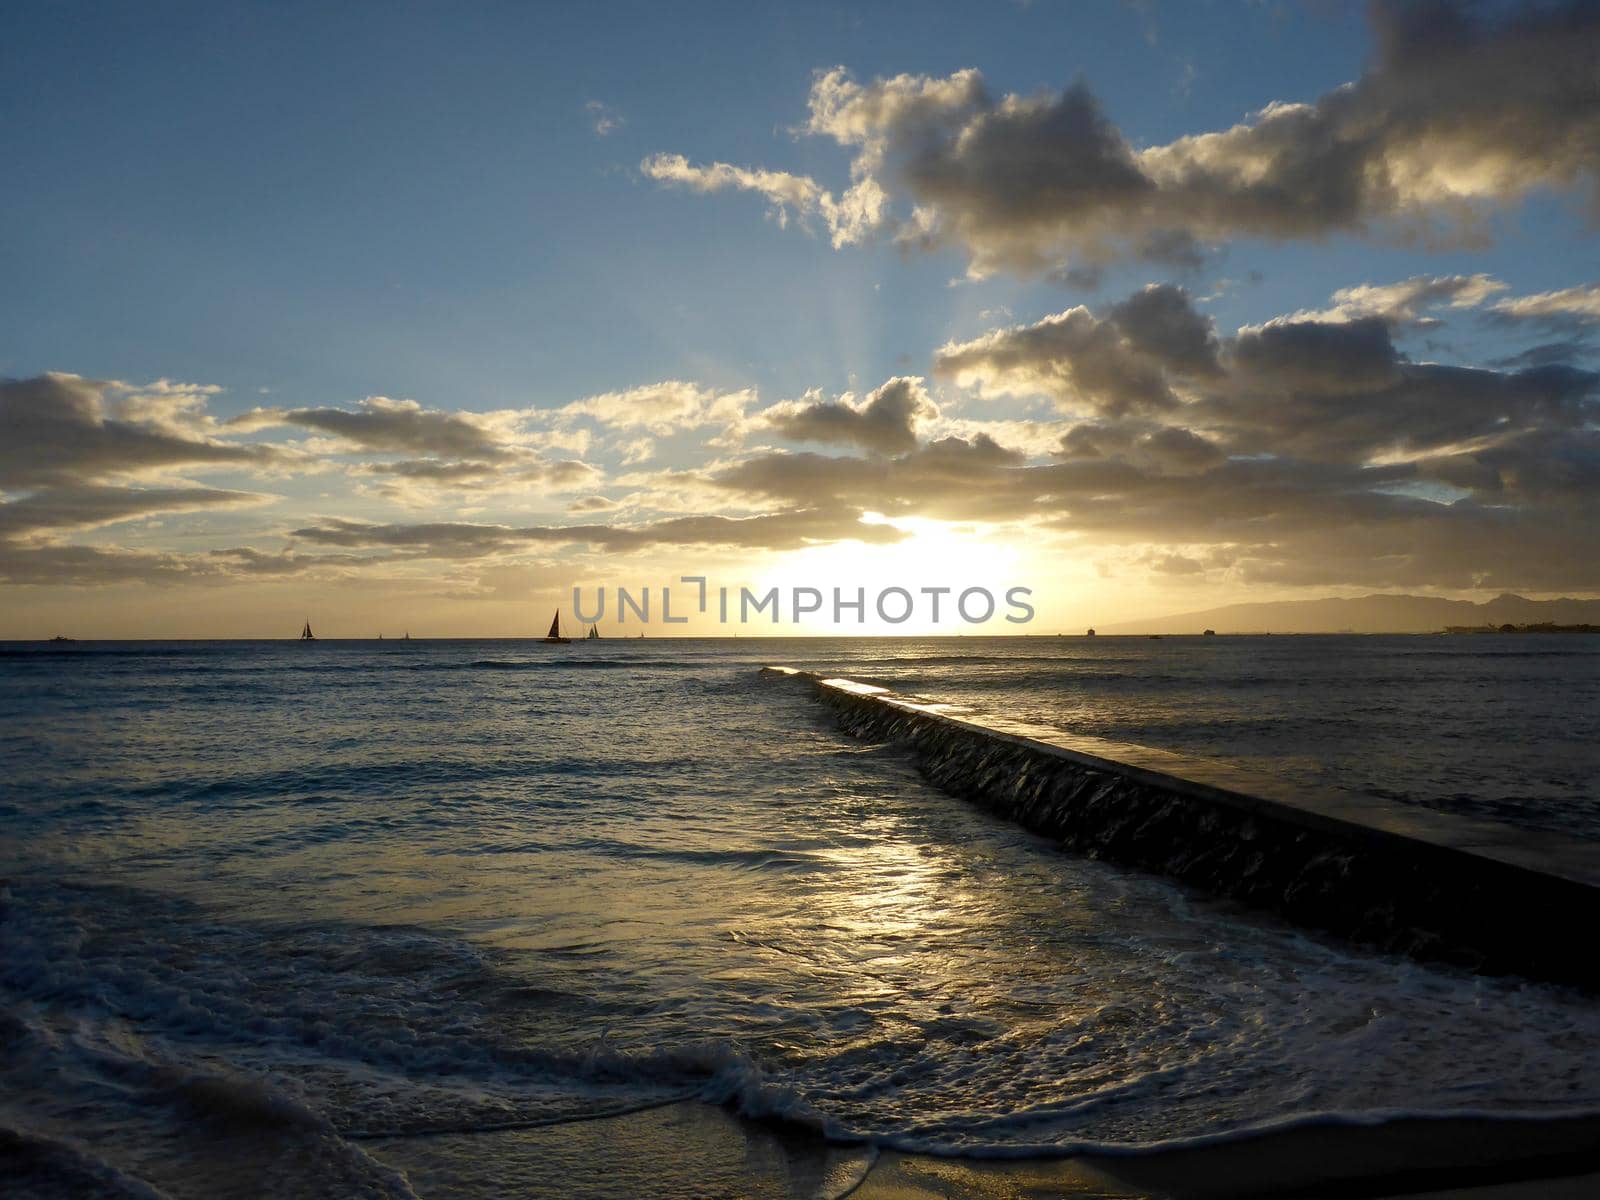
(697, 1151)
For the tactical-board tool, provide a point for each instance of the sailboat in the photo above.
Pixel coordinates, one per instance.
(306, 635)
(594, 632)
(555, 630)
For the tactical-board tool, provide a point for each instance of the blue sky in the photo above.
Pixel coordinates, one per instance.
(302, 206)
(410, 199)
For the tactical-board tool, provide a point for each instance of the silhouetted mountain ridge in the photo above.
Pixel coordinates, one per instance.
(1379, 613)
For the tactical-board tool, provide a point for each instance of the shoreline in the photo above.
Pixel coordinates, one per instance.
(695, 1149)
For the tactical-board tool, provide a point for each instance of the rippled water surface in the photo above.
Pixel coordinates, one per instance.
(358, 890)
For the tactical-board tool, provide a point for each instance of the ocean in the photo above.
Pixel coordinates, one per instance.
(346, 916)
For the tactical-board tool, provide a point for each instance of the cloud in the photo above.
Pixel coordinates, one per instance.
(61, 565)
(956, 478)
(59, 428)
(1327, 356)
(1167, 449)
(420, 481)
(1419, 409)
(1123, 364)
(767, 531)
(1297, 451)
(1570, 309)
(91, 566)
(1161, 323)
(397, 426)
(1175, 564)
(788, 195)
(1462, 111)
(885, 423)
(445, 452)
(434, 470)
(1562, 353)
(1307, 449)
(70, 448)
(665, 408)
(604, 119)
(1404, 303)
(86, 506)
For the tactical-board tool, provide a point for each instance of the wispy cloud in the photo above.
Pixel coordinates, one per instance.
(603, 119)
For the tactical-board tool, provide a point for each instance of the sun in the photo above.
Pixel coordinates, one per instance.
(932, 554)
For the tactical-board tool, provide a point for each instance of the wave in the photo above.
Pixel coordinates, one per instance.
(43, 1167)
(744, 1089)
(321, 1035)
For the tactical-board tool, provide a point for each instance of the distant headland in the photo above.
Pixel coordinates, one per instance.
(1383, 613)
(1540, 627)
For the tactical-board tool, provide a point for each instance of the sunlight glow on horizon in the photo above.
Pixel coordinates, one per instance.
(935, 554)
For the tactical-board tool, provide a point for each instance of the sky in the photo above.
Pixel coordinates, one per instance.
(418, 316)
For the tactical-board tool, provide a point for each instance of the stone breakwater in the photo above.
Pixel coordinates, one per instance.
(1473, 893)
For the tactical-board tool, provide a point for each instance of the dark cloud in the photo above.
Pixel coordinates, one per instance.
(65, 442)
(1169, 449)
(1464, 108)
(1345, 356)
(58, 509)
(886, 423)
(1161, 322)
(64, 429)
(1547, 468)
(1178, 451)
(396, 426)
(1125, 364)
(1076, 359)
(1014, 174)
(1421, 409)
(1333, 389)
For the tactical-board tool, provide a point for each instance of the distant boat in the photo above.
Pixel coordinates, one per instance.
(594, 632)
(61, 637)
(555, 630)
(407, 637)
(306, 635)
